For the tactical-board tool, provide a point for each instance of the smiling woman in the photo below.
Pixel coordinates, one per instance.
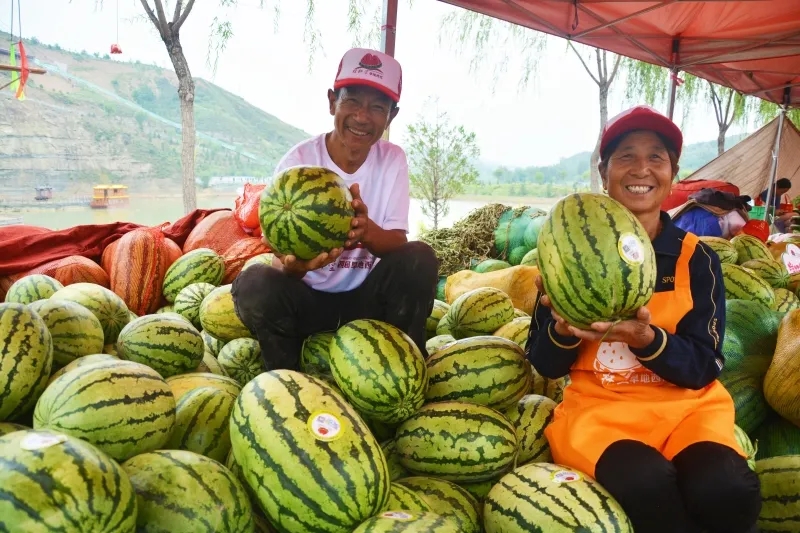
(644, 413)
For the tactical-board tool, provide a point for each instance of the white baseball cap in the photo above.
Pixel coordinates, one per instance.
(361, 66)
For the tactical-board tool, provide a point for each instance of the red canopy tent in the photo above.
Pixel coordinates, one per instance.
(751, 46)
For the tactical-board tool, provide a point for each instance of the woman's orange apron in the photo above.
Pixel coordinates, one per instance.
(613, 397)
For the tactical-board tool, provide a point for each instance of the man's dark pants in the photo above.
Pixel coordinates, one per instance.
(282, 311)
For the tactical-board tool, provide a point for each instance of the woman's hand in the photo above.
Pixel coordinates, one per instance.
(636, 333)
(561, 327)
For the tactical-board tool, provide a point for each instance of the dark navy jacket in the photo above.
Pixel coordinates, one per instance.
(692, 357)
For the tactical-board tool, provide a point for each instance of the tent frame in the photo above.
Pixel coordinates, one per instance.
(673, 63)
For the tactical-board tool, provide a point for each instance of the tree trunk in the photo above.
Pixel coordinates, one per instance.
(188, 132)
(596, 182)
(721, 141)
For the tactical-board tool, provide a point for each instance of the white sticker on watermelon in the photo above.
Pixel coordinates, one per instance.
(40, 441)
(325, 426)
(566, 476)
(398, 515)
(630, 249)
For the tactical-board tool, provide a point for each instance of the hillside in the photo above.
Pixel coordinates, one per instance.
(90, 119)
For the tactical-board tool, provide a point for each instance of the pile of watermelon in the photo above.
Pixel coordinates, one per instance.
(117, 421)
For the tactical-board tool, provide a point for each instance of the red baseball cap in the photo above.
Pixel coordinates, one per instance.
(642, 117)
(361, 66)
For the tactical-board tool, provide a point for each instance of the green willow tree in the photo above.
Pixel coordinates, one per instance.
(730, 107)
(440, 160)
(168, 21)
(467, 29)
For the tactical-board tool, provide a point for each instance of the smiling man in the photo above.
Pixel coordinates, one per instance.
(378, 274)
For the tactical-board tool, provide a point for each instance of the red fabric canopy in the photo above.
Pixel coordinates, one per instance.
(752, 46)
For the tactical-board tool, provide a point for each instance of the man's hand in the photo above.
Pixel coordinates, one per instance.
(299, 268)
(360, 221)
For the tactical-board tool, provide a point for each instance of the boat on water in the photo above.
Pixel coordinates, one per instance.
(109, 196)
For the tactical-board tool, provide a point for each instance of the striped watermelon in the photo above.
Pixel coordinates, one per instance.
(53, 482)
(780, 491)
(771, 271)
(548, 497)
(552, 388)
(165, 309)
(747, 391)
(445, 326)
(486, 370)
(457, 441)
(213, 344)
(123, 408)
(396, 470)
(435, 343)
(178, 490)
(776, 437)
(202, 418)
(744, 442)
(74, 329)
(531, 258)
(202, 265)
(751, 332)
(491, 265)
(517, 330)
(479, 312)
(315, 355)
(85, 360)
(480, 489)
(448, 500)
(210, 364)
(109, 308)
(518, 254)
(596, 260)
(218, 317)
(530, 417)
(785, 301)
(26, 358)
(183, 383)
(170, 345)
(724, 248)
(379, 369)
(260, 259)
(520, 313)
(439, 310)
(307, 455)
(33, 287)
(748, 247)
(10, 427)
(306, 211)
(742, 284)
(406, 499)
(187, 302)
(402, 521)
(241, 359)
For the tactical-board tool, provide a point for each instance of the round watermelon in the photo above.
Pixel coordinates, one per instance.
(596, 260)
(306, 211)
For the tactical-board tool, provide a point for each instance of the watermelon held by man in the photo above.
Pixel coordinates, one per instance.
(306, 211)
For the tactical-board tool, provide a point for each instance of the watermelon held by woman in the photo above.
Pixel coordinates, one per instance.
(596, 260)
(307, 210)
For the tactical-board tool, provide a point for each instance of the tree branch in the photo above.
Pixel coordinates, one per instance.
(615, 69)
(177, 25)
(162, 18)
(583, 62)
(177, 14)
(152, 16)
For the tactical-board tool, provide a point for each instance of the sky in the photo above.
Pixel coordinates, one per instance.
(556, 115)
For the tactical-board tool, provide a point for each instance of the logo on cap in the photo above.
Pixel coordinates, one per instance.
(371, 62)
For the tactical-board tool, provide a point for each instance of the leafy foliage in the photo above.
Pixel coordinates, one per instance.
(441, 163)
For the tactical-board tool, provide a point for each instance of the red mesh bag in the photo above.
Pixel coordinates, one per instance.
(73, 269)
(246, 210)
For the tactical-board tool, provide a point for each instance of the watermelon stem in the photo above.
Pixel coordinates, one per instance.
(617, 321)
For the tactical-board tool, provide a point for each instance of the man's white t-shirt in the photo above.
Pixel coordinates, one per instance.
(383, 183)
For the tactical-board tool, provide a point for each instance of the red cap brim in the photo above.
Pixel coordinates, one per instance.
(369, 83)
(642, 118)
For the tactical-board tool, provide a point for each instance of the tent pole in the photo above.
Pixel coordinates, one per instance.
(388, 35)
(673, 85)
(773, 172)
